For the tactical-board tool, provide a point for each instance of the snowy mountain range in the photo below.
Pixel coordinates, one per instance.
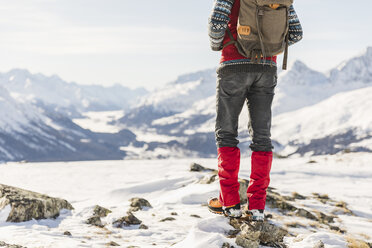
(36, 122)
(30, 132)
(298, 88)
(53, 91)
(314, 112)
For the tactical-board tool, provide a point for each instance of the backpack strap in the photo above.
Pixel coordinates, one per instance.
(232, 40)
(285, 56)
(259, 15)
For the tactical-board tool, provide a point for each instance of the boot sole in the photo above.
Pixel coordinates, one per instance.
(222, 213)
(215, 212)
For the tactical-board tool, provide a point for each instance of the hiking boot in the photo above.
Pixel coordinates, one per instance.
(215, 206)
(255, 214)
(233, 211)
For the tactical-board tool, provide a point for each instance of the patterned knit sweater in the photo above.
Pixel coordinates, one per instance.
(224, 15)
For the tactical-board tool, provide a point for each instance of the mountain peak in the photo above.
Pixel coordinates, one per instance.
(18, 71)
(357, 69)
(203, 74)
(300, 66)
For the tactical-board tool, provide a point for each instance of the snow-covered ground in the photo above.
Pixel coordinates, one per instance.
(171, 187)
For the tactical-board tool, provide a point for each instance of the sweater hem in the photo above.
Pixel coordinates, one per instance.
(246, 67)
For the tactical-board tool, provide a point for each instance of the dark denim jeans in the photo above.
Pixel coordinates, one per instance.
(233, 90)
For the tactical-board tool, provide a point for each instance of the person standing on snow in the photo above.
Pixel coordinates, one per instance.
(243, 79)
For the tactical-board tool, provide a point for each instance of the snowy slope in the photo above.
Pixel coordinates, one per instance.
(179, 95)
(54, 91)
(29, 132)
(175, 97)
(171, 188)
(343, 121)
(15, 115)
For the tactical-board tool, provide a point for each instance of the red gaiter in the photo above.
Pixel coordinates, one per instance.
(259, 180)
(228, 170)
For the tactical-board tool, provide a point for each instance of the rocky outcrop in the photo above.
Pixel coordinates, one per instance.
(5, 245)
(128, 220)
(275, 200)
(98, 213)
(27, 205)
(208, 179)
(254, 234)
(139, 204)
(304, 213)
(95, 221)
(101, 211)
(112, 243)
(321, 197)
(167, 219)
(198, 168)
(143, 226)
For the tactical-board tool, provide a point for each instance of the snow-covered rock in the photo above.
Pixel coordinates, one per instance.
(25, 205)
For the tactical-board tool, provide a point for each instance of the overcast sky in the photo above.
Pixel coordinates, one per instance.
(149, 43)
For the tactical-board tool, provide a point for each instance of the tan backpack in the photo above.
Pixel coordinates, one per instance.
(262, 29)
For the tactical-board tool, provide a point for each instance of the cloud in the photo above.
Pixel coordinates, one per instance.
(30, 28)
(97, 40)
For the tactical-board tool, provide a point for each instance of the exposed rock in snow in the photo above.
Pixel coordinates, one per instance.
(143, 226)
(128, 220)
(243, 190)
(139, 204)
(197, 167)
(255, 233)
(3, 244)
(27, 205)
(208, 179)
(95, 221)
(168, 219)
(101, 211)
(98, 213)
(112, 243)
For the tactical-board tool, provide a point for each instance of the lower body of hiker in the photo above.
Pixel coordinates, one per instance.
(234, 89)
